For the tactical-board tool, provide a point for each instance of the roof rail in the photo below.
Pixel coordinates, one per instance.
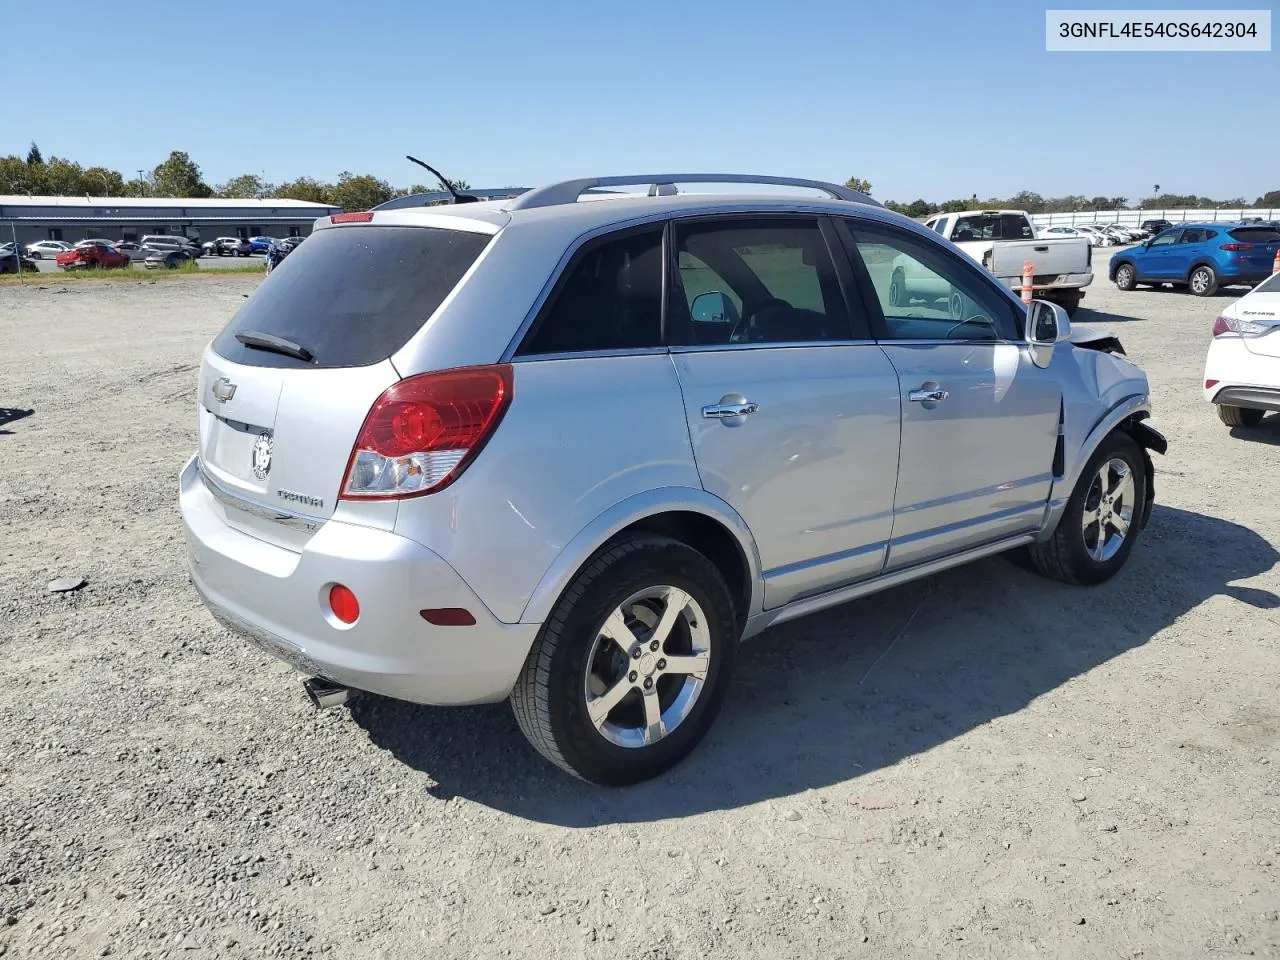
(439, 196)
(663, 184)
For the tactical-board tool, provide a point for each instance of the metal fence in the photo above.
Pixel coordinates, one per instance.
(1135, 217)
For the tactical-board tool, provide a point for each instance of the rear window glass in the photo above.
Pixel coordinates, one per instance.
(352, 295)
(1269, 285)
(1256, 234)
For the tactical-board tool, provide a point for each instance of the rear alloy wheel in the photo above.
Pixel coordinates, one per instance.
(1203, 281)
(1126, 276)
(629, 671)
(1101, 521)
(1240, 416)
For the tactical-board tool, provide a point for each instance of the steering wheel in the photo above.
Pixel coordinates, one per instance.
(747, 329)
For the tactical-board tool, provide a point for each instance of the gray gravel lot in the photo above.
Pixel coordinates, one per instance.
(983, 764)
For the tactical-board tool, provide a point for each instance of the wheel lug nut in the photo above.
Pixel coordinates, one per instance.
(635, 654)
(654, 645)
(648, 682)
(631, 677)
(662, 664)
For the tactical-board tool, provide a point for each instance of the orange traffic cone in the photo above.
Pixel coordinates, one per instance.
(1029, 279)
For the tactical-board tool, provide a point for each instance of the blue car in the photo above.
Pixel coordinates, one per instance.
(260, 244)
(1200, 256)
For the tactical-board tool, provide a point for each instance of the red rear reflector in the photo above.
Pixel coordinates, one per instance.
(1210, 384)
(1220, 326)
(364, 217)
(448, 616)
(1236, 246)
(343, 603)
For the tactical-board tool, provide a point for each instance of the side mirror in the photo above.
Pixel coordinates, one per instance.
(713, 307)
(1047, 326)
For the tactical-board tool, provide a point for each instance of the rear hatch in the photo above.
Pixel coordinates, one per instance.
(285, 387)
(1257, 248)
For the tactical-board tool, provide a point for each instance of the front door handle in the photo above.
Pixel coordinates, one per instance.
(929, 393)
(726, 411)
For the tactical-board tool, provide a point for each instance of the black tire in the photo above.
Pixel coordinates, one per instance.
(36, 255)
(1240, 416)
(898, 295)
(1203, 281)
(1065, 555)
(1126, 276)
(549, 699)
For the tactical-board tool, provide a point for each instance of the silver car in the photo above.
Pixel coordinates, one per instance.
(571, 453)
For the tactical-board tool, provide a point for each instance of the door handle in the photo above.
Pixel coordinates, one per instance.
(927, 394)
(726, 411)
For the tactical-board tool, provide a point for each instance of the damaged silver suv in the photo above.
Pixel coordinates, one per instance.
(570, 447)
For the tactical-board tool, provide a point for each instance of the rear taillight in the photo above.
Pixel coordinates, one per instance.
(344, 604)
(1233, 326)
(1236, 246)
(423, 431)
(363, 217)
(1210, 384)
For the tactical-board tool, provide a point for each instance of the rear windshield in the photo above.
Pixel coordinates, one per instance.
(1256, 234)
(352, 295)
(1269, 285)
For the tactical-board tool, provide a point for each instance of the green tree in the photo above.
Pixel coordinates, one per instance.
(63, 178)
(14, 178)
(1269, 199)
(1100, 203)
(247, 186)
(1119, 203)
(305, 188)
(34, 159)
(104, 182)
(857, 183)
(954, 206)
(365, 192)
(1028, 201)
(179, 176)
(920, 208)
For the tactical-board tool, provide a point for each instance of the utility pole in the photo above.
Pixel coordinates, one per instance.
(142, 184)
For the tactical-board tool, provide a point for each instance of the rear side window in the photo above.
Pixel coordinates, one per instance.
(1014, 227)
(352, 295)
(610, 298)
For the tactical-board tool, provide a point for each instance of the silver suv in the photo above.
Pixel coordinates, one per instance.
(572, 446)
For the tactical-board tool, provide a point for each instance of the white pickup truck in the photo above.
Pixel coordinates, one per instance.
(1002, 241)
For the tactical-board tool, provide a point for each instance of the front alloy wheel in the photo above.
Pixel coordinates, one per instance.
(1108, 510)
(1126, 277)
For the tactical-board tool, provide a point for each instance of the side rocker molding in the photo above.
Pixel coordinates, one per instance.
(624, 514)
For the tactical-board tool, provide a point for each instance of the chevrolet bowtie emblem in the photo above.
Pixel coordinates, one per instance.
(223, 390)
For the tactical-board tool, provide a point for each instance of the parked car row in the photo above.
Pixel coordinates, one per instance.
(1099, 234)
(146, 247)
(12, 261)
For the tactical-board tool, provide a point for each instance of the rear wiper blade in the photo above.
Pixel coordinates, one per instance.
(274, 344)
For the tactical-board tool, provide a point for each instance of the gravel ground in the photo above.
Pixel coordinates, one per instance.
(982, 764)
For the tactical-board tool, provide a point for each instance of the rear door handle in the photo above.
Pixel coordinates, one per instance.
(929, 393)
(726, 411)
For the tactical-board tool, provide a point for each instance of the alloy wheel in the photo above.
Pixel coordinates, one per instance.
(1108, 510)
(647, 666)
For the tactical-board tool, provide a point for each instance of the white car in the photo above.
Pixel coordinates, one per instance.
(1051, 232)
(1100, 237)
(46, 248)
(1242, 371)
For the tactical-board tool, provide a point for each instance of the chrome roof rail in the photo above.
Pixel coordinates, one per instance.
(663, 184)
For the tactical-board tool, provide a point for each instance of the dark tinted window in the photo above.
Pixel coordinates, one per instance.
(610, 299)
(1255, 234)
(1194, 235)
(757, 281)
(1015, 227)
(352, 295)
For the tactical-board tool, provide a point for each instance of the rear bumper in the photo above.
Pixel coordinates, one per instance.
(277, 599)
(1241, 378)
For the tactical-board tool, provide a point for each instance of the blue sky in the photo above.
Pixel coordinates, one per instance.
(922, 98)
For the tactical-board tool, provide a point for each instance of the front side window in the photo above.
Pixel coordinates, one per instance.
(757, 280)
(610, 298)
(1166, 238)
(924, 293)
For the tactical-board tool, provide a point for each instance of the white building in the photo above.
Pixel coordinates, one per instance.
(128, 218)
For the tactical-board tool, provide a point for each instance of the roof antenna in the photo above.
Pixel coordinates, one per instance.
(457, 197)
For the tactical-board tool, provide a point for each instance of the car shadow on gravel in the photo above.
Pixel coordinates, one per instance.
(855, 689)
(1088, 317)
(1268, 431)
(11, 415)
